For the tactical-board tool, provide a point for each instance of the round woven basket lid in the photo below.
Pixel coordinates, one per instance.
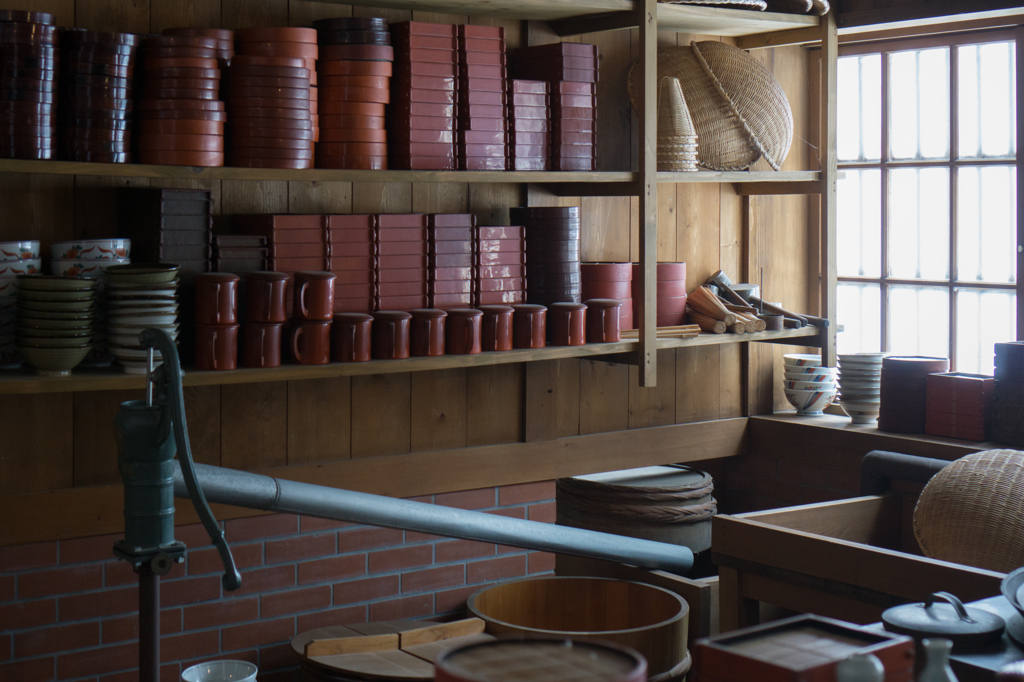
(760, 5)
(972, 512)
(531, 660)
(738, 108)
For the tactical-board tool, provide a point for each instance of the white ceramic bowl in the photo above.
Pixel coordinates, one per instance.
(810, 402)
(862, 357)
(90, 269)
(24, 250)
(809, 385)
(92, 249)
(27, 266)
(116, 319)
(220, 671)
(804, 376)
(810, 369)
(801, 360)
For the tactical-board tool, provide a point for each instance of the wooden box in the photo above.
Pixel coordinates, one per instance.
(799, 649)
(849, 559)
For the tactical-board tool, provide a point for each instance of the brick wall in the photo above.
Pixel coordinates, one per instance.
(68, 610)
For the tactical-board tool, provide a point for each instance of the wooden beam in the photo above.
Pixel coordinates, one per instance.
(829, 177)
(593, 23)
(97, 510)
(647, 18)
(905, 15)
(746, 189)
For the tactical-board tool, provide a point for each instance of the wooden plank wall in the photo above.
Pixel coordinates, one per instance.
(68, 441)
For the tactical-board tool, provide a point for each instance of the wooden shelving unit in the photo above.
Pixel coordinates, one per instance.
(566, 17)
(24, 382)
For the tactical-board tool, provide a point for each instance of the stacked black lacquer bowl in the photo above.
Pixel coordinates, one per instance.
(552, 253)
(97, 70)
(28, 92)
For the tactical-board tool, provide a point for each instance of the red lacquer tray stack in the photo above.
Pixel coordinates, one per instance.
(483, 116)
(352, 248)
(355, 69)
(402, 261)
(270, 98)
(423, 114)
(529, 125)
(181, 115)
(501, 265)
(451, 260)
(572, 71)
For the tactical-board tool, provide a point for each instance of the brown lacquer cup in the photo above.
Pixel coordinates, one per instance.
(496, 327)
(391, 334)
(351, 337)
(265, 297)
(427, 335)
(261, 344)
(216, 346)
(462, 331)
(568, 324)
(313, 295)
(603, 320)
(529, 326)
(311, 342)
(216, 298)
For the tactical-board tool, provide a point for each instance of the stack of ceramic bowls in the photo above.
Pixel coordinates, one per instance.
(810, 388)
(16, 258)
(56, 320)
(139, 297)
(88, 258)
(860, 379)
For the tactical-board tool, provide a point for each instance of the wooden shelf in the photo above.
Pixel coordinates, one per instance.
(23, 381)
(728, 22)
(135, 170)
(543, 10)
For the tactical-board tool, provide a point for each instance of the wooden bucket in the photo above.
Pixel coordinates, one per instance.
(670, 504)
(650, 619)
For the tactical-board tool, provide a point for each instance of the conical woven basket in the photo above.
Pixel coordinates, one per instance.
(677, 138)
(739, 110)
(972, 512)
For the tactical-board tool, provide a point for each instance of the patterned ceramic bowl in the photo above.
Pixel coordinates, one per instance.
(26, 266)
(92, 249)
(13, 251)
(90, 269)
(810, 402)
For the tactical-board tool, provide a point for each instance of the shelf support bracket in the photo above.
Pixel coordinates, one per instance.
(647, 189)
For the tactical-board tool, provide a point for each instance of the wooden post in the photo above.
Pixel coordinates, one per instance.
(829, 173)
(1020, 185)
(647, 189)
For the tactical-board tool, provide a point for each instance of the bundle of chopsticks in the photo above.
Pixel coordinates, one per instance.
(683, 331)
(713, 315)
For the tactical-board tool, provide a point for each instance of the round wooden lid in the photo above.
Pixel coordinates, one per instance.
(538, 659)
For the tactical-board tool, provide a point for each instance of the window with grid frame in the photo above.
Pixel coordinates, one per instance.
(927, 257)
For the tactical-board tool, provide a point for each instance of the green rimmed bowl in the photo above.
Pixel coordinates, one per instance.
(54, 361)
(84, 333)
(55, 296)
(58, 306)
(55, 283)
(51, 342)
(24, 314)
(138, 273)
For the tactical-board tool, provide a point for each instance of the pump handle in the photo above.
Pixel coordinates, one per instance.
(167, 379)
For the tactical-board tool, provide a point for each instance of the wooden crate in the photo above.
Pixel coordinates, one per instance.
(849, 559)
(700, 594)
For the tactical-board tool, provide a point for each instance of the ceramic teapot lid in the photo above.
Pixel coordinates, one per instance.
(967, 628)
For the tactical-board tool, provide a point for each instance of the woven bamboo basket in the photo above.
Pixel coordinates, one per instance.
(972, 512)
(739, 110)
(677, 138)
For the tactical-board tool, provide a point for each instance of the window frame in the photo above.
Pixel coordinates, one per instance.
(953, 163)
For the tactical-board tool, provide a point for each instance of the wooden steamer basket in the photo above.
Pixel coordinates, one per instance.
(649, 619)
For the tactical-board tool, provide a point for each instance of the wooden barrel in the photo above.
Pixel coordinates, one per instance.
(646, 618)
(543, 659)
(670, 504)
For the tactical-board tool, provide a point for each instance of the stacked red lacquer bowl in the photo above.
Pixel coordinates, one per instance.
(28, 68)
(181, 115)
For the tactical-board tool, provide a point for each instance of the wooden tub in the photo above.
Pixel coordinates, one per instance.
(650, 619)
(849, 559)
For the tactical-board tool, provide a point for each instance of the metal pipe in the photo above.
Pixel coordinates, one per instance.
(149, 624)
(879, 467)
(255, 491)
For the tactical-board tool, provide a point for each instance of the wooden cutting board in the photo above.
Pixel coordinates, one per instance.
(392, 650)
